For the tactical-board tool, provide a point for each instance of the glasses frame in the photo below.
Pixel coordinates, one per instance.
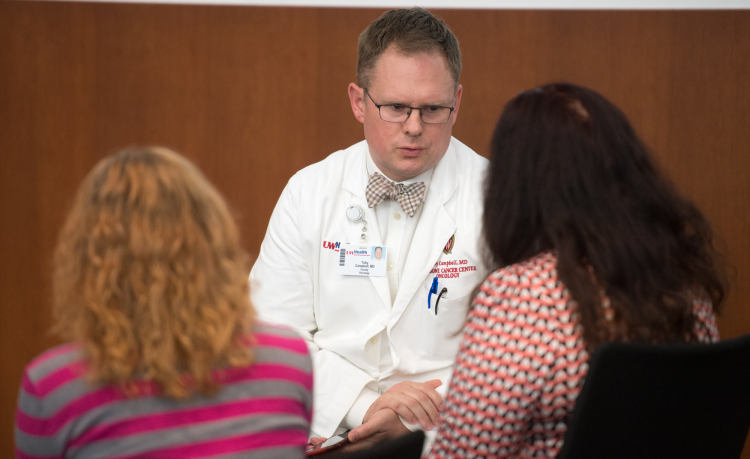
(408, 114)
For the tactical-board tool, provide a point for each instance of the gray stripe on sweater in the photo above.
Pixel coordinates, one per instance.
(186, 435)
(291, 452)
(77, 388)
(55, 363)
(137, 407)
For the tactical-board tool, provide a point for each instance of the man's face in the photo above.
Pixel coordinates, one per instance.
(405, 150)
(378, 253)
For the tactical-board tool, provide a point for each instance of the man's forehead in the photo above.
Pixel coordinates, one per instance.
(421, 77)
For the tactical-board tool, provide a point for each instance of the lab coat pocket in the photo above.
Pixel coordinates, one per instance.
(439, 334)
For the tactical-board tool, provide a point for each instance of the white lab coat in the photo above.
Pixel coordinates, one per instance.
(295, 280)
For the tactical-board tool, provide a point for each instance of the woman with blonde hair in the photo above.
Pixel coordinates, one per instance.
(164, 358)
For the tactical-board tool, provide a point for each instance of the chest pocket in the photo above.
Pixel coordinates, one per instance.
(440, 334)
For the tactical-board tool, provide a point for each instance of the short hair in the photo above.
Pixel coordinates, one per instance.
(150, 278)
(412, 31)
(569, 174)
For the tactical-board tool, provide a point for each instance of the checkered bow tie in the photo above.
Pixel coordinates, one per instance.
(409, 196)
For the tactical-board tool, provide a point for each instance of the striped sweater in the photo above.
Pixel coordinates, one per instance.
(261, 411)
(521, 366)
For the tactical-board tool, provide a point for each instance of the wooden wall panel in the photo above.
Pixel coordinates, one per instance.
(253, 94)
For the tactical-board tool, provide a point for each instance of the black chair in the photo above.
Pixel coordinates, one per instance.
(663, 401)
(408, 446)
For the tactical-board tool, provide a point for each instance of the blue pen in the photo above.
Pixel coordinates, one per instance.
(433, 289)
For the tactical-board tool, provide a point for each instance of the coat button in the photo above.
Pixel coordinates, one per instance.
(373, 340)
(390, 266)
(397, 216)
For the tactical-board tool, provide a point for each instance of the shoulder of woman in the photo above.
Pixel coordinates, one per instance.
(54, 360)
(538, 271)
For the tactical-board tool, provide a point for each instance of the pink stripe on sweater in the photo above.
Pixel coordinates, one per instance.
(172, 419)
(57, 378)
(72, 371)
(264, 371)
(49, 426)
(248, 442)
(51, 354)
(296, 345)
(32, 425)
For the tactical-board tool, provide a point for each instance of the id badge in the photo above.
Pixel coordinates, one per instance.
(362, 260)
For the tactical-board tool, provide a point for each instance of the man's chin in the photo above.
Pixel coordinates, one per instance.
(408, 169)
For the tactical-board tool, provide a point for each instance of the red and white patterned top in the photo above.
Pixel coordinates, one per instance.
(521, 366)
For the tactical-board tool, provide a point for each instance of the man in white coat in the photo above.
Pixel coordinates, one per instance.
(382, 343)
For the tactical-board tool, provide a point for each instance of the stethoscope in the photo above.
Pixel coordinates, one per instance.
(356, 214)
(433, 289)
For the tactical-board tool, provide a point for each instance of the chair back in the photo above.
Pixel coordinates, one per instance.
(663, 401)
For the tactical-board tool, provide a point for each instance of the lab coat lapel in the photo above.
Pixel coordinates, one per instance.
(434, 229)
(355, 181)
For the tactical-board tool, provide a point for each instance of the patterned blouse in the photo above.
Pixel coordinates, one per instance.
(521, 366)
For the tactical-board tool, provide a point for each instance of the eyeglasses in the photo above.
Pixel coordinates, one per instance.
(398, 113)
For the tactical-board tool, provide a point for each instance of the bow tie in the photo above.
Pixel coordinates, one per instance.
(409, 196)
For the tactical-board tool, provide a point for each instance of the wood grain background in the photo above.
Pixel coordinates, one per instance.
(253, 94)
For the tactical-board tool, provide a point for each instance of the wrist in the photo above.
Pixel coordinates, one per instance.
(361, 410)
(368, 413)
(409, 426)
(405, 428)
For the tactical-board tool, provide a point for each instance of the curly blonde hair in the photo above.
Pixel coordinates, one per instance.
(150, 277)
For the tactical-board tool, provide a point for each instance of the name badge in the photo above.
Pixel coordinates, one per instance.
(362, 260)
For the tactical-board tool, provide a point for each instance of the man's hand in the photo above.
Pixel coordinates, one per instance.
(413, 401)
(315, 441)
(382, 425)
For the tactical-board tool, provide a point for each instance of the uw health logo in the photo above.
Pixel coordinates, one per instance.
(449, 246)
(331, 245)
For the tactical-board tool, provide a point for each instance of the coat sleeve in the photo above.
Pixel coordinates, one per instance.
(35, 436)
(281, 283)
(283, 287)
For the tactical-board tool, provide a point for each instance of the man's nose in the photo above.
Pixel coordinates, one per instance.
(413, 124)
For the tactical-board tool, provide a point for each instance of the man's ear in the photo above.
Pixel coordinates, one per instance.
(357, 99)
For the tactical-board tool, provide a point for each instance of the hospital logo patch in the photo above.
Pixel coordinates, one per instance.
(449, 246)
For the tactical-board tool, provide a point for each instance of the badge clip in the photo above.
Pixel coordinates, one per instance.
(356, 214)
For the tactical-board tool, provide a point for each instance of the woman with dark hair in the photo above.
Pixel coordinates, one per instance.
(164, 358)
(596, 246)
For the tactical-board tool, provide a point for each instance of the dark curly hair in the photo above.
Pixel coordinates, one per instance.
(569, 174)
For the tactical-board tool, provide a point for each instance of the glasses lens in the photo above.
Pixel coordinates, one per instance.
(435, 115)
(394, 113)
